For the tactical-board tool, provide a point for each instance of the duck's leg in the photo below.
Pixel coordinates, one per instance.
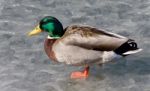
(80, 75)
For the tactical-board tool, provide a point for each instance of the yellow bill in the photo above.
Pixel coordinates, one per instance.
(35, 31)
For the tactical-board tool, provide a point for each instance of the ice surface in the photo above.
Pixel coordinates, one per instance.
(24, 65)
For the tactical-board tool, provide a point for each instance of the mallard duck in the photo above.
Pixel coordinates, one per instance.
(82, 45)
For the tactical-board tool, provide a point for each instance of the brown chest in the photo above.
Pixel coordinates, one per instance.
(48, 48)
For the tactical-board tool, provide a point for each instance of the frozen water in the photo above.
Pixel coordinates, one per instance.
(25, 67)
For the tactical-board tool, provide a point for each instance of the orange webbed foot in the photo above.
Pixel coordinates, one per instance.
(80, 75)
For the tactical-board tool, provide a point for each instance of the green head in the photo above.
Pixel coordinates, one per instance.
(51, 25)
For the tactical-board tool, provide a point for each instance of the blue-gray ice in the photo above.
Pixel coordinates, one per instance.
(24, 65)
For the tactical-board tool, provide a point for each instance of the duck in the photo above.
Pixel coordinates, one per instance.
(82, 45)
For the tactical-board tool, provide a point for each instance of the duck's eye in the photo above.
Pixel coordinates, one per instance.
(46, 30)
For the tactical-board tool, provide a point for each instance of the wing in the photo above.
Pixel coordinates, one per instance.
(92, 38)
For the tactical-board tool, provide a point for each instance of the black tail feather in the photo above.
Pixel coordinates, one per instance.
(127, 46)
